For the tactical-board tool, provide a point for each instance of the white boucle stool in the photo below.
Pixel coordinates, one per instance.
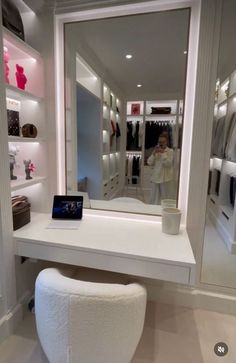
(80, 321)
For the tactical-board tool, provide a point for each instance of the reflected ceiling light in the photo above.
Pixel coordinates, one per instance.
(139, 85)
(185, 52)
(128, 56)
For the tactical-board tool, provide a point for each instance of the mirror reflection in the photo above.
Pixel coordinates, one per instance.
(125, 84)
(219, 252)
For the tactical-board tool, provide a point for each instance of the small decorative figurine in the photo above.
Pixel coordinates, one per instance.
(13, 150)
(6, 58)
(21, 79)
(29, 167)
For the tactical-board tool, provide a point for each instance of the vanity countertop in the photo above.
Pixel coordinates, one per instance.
(111, 241)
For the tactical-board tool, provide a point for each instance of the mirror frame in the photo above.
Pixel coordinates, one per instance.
(124, 10)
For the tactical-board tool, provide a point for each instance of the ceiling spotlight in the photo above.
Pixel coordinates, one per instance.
(139, 85)
(128, 56)
(185, 52)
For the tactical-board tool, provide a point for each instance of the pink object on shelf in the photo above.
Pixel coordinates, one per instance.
(20, 77)
(6, 58)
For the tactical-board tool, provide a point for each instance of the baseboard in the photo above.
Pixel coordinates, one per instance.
(10, 321)
(193, 298)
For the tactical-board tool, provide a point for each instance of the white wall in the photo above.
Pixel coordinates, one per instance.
(17, 280)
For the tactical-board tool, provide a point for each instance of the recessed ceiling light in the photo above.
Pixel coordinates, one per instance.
(128, 56)
(139, 85)
(185, 52)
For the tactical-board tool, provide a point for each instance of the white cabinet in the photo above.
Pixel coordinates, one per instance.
(221, 198)
(29, 107)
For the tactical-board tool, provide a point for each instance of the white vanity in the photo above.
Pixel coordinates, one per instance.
(110, 241)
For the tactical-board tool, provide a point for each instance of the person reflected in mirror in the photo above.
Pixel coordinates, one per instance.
(162, 161)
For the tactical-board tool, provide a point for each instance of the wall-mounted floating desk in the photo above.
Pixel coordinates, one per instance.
(110, 241)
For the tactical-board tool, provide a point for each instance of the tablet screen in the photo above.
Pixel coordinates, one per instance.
(67, 207)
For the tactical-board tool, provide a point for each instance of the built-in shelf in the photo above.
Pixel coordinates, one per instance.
(134, 115)
(24, 139)
(17, 42)
(20, 95)
(134, 152)
(21, 182)
(214, 197)
(161, 115)
(228, 210)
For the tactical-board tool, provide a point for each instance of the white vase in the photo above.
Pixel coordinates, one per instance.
(171, 220)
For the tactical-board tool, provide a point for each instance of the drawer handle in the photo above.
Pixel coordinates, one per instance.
(225, 215)
(212, 201)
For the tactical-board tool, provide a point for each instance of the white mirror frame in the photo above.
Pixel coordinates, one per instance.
(124, 10)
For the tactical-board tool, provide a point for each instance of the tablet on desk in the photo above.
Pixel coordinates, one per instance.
(67, 207)
(67, 210)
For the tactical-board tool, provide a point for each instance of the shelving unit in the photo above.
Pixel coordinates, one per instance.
(143, 114)
(29, 105)
(111, 143)
(222, 210)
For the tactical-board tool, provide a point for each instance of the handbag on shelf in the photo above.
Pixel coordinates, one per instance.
(20, 211)
(29, 130)
(13, 123)
(160, 110)
(11, 18)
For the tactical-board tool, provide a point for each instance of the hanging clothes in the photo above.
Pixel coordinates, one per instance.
(136, 135)
(230, 143)
(218, 138)
(133, 142)
(130, 139)
(118, 134)
(112, 131)
(133, 168)
(232, 190)
(153, 129)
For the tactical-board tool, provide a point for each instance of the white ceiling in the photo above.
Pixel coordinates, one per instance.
(156, 41)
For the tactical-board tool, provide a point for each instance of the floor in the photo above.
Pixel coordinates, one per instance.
(218, 265)
(172, 334)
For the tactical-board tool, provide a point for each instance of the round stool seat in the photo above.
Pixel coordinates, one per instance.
(81, 321)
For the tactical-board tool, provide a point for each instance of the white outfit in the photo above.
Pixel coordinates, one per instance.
(162, 175)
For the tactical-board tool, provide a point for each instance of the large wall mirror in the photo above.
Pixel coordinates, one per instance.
(219, 251)
(125, 88)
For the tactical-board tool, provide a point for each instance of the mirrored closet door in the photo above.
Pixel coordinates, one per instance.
(219, 251)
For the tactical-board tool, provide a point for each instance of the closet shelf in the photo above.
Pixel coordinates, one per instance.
(24, 139)
(129, 115)
(20, 95)
(22, 183)
(228, 210)
(20, 44)
(133, 152)
(215, 198)
(161, 115)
